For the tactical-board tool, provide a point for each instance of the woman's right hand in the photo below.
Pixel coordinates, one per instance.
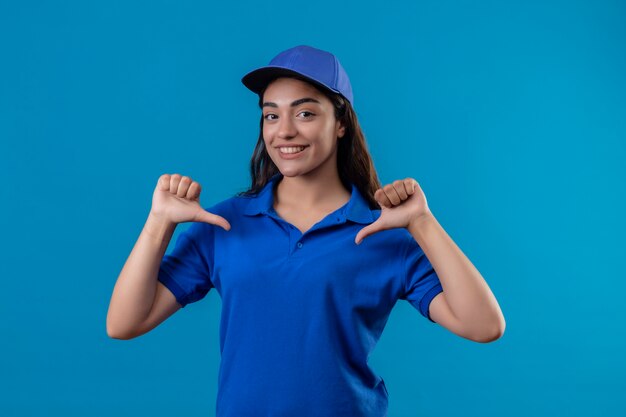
(176, 199)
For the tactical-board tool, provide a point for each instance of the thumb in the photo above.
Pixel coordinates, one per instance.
(367, 231)
(206, 217)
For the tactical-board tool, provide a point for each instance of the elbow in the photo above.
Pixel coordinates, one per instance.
(115, 333)
(112, 332)
(491, 337)
(493, 333)
(118, 335)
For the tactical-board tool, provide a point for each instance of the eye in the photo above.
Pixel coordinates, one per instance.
(269, 116)
(307, 112)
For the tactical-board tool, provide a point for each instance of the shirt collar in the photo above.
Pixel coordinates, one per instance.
(356, 210)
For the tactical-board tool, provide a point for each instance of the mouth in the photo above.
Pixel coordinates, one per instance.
(291, 150)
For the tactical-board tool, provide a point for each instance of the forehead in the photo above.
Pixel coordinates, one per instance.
(285, 88)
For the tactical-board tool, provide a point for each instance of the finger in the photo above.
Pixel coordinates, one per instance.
(398, 185)
(382, 199)
(174, 181)
(206, 217)
(363, 233)
(163, 183)
(222, 222)
(368, 230)
(193, 193)
(409, 185)
(392, 194)
(183, 186)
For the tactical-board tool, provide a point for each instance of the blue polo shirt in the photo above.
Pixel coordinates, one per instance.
(301, 313)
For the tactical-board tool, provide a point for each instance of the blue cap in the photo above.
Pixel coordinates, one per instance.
(320, 67)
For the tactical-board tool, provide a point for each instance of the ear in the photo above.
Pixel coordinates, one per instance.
(341, 131)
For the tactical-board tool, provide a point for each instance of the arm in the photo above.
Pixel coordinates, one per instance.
(467, 306)
(138, 304)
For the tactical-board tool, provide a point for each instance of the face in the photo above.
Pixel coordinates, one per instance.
(298, 117)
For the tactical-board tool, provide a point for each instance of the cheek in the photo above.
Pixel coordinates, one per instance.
(266, 132)
(321, 132)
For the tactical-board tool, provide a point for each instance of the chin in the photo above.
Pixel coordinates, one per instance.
(290, 172)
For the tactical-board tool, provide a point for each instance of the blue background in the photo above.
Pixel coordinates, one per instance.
(510, 115)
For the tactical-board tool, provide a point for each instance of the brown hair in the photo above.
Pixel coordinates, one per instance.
(354, 162)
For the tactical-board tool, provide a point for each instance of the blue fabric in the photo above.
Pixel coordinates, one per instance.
(317, 65)
(301, 313)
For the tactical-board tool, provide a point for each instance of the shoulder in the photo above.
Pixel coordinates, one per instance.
(233, 206)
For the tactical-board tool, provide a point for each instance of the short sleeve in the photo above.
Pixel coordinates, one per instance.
(186, 271)
(421, 281)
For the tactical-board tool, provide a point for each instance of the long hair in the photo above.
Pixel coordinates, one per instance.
(354, 163)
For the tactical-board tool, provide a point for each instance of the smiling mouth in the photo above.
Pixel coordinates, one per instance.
(292, 149)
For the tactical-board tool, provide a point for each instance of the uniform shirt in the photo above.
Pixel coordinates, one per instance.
(301, 313)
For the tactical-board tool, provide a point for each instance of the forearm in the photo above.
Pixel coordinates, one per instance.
(466, 292)
(135, 289)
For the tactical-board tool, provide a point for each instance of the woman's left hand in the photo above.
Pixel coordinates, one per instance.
(401, 202)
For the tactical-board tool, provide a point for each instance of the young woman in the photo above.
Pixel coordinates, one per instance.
(308, 262)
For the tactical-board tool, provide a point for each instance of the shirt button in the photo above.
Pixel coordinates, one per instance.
(299, 245)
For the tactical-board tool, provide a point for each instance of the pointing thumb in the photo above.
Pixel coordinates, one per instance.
(206, 217)
(363, 233)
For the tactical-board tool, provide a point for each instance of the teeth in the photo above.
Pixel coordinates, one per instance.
(292, 149)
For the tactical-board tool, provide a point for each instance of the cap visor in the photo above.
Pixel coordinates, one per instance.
(258, 79)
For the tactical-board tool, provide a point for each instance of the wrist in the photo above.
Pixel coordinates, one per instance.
(159, 228)
(418, 224)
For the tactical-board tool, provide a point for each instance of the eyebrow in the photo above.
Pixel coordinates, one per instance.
(294, 103)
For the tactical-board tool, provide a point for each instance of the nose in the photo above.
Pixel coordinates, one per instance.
(286, 128)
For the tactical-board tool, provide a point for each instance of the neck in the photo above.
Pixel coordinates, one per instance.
(311, 192)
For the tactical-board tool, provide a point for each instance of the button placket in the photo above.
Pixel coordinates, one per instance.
(293, 233)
